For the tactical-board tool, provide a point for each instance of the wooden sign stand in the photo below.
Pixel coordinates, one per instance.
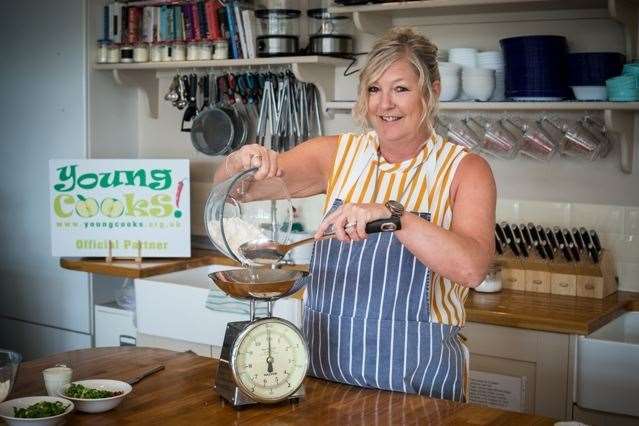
(137, 259)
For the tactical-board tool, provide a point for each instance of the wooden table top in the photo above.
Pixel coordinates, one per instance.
(183, 394)
(548, 312)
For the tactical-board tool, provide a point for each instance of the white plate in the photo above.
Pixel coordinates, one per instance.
(536, 99)
(98, 405)
(6, 411)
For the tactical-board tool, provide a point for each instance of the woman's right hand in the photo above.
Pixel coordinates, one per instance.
(251, 156)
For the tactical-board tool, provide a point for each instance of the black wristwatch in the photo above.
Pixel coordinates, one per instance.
(396, 208)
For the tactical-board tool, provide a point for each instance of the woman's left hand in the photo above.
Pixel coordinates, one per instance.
(349, 220)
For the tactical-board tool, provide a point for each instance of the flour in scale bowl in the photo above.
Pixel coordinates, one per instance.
(237, 232)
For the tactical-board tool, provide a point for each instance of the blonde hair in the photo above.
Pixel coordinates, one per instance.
(396, 44)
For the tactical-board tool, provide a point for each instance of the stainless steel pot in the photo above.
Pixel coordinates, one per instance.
(277, 45)
(331, 44)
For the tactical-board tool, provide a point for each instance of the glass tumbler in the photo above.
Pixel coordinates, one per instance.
(535, 142)
(496, 139)
(575, 141)
(457, 133)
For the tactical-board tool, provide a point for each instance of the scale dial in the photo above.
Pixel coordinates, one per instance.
(269, 360)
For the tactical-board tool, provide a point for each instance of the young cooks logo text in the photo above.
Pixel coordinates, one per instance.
(75, 199)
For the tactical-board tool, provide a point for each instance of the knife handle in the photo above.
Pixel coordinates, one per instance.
(498, 247)
(595, 240)
(524, 232)
(519, 239)
(578, 240)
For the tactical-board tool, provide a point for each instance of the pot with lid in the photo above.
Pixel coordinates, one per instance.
(278, 32)
(243, 210)
(331, 33)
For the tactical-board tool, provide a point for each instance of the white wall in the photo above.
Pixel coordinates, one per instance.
(43, 116)
(594, 194)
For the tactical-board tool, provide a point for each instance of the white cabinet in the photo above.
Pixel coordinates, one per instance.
(174, 306)
(542, 359)
(114, 326)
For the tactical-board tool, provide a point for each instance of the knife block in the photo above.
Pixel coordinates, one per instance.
(583, 279)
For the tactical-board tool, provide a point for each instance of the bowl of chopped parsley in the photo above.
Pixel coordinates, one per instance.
(95, 396)
(35, 410)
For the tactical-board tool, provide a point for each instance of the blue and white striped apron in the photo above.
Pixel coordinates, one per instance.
(367, 318)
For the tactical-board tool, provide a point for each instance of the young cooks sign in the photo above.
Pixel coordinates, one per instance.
(138, 206)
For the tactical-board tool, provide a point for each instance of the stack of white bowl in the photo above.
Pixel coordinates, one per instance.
(494, 60)
(450, 77)
(464, 56)
(478, 83)
(467, 58)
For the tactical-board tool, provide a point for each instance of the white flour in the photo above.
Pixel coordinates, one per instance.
(4, 390)
(237, 232)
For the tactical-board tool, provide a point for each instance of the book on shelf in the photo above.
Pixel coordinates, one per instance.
(250, 28)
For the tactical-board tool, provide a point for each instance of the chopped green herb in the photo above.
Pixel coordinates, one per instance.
(40, 409)
(79, 391)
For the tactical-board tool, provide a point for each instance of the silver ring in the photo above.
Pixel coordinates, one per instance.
(350, 225)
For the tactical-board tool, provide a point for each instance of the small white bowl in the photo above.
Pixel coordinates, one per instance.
(590, 93)
(102, 404)
(6, 411)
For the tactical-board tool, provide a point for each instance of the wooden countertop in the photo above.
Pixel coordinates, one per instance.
(548, 312)
(535, 311)
(183, 394)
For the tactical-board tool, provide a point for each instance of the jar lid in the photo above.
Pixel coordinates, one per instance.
(324, 14)
(278, 13)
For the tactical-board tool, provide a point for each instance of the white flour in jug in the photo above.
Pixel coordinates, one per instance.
(237, 232)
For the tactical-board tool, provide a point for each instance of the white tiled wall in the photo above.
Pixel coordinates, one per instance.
(617, 226)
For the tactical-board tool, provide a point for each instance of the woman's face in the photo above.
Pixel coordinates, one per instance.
(395, 106)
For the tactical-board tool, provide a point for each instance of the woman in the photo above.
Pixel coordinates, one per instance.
(384, 310)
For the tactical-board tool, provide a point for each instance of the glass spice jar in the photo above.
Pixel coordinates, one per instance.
(205, 51)
(126, 53)
(166, 52)
(155, 52)
(192, 51)
(113, 52)
(102, 52)
(141, 52)
(179, 51)
(221, 49)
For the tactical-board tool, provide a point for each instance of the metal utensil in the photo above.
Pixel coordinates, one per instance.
(270, 252)
(145, 374)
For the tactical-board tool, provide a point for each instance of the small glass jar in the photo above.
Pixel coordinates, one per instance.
(141, 52)
(155, 52)
(166, 52)
(192, 51)
(220, 49)
(113, 52)
(102, 52)
(205, 52)
(179, 51)
(126, 53)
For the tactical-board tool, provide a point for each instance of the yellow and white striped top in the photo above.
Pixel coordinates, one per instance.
(418, 195)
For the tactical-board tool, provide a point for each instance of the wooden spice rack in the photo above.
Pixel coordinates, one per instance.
(583, 279)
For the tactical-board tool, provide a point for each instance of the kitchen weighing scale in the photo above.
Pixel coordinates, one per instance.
(263, 360)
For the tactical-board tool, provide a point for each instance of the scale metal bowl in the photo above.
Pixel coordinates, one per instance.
(266, 283)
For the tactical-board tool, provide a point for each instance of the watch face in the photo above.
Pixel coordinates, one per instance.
(270, 359)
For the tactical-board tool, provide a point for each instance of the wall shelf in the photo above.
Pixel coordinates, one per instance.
(376, 18)
(311, 69)
(619, 116)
